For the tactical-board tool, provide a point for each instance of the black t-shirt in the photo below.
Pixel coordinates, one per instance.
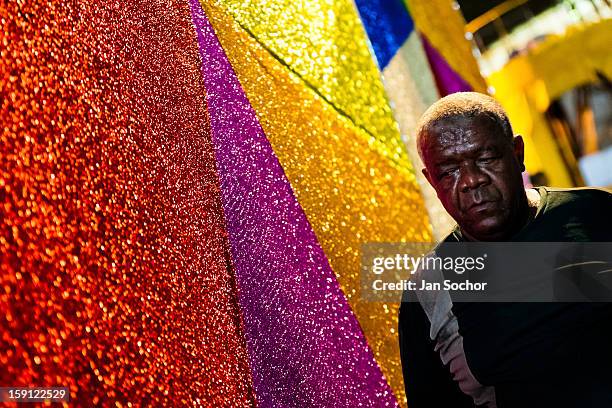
(524, 354)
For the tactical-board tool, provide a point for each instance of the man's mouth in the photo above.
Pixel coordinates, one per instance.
(483, 206)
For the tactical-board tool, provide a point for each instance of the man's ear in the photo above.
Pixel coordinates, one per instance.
(519, 151)
(426, 174)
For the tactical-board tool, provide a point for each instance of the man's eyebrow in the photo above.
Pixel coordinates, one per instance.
(485, 149)
(453, 158)
(445, 162)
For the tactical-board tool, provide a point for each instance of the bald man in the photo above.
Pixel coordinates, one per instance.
(503, 354)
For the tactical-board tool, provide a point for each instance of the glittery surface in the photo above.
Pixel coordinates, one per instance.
(409, 84)
(324, 43)
(444, 27)
(305, 345)
(388, 25)
(350, 193)
(115, 272)
(411, 88)
(447, 80)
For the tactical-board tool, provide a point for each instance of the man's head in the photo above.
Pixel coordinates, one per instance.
(474, 162)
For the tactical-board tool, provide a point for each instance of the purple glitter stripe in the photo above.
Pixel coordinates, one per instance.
(447, 80)
(305, 345)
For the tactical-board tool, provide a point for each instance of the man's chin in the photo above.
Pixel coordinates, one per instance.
(488, 229)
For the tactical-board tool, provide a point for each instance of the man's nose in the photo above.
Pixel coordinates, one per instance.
(471, 177)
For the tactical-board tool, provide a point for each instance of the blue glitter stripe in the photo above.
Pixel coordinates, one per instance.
(388, 25)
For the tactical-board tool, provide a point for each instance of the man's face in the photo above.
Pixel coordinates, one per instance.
(476, 172)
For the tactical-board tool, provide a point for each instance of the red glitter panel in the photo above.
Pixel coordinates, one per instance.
(115, 277)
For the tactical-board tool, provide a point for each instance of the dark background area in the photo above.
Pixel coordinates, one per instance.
(489, 33)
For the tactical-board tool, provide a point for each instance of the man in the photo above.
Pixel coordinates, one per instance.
(503, 354)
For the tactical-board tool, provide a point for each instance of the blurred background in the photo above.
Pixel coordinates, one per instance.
(548, 62)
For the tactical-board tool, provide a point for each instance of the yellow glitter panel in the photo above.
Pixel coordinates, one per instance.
(444, 27)
(324, 43)
(349, 191)
(410, 85)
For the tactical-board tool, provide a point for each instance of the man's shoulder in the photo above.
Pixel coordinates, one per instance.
(577, 196)
(572, 214)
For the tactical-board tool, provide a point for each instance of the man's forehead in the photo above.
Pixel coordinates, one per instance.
(461, 121)
(448, 134)
(461, 130)
(441, 153)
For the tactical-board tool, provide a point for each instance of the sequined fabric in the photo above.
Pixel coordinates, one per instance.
(350, 192)
(305, 345)
(116, 278)
(325, 45)
(441, 22)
